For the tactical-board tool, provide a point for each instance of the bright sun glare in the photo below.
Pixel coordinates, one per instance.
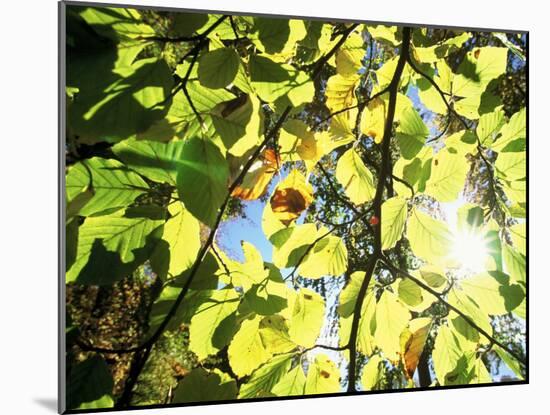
(470, 250)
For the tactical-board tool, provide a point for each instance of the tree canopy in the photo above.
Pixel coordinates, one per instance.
(390, 166)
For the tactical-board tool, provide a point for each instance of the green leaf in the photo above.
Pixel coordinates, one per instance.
(268, 296)
(239, 123)
(323, 376)
(77, 181)
(252, 271)
(266, 377)
(367, 323)
(186, 24)
(348, 295)
(202, 179)
(514, 130)
(492, 296)
(278, 35)
(182, 237)
(116, 23)
(307, 316)
(90, 385)
(519, 237)
(478, 68)
(448, 176)
(489, 126)
(430, 238)
(386, 34)
(392, 318)
(479, 373)
(271, 225)
(517, 193)
(510, 361)
(111, 185)
(154, 160)
(511, 166)
(246, 351)
(275, 336)
(214, 323)
(210, 270)
(433, 54)
(122, 103)
(412, 133)
(329, 256)
(446, 353)
(515, 264)
(218, 68)
(164, 303)
(415, 172)
(394, 216)
(373, 373)
(290, 244)
(292, 383)
(434, 276)
(462, 301)
(355, 177)
(469, 218)
(409, 292)
(204, 99)
(462, 142)
(272, 80)
(112, 247)
(201, 385)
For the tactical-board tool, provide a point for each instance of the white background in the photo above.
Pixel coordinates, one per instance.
(28, 227)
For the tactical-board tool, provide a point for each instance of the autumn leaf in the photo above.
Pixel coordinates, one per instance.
(413, 340)
(291, 197)
(257, 179)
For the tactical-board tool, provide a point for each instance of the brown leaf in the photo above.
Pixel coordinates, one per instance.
(258, 177)
(291, 197)
(417, 333)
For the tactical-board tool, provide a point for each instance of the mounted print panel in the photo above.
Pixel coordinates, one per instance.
(267, 207)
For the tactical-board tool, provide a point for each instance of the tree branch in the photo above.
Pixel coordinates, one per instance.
(385, 171)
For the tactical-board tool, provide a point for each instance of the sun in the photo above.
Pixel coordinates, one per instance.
(470, 251)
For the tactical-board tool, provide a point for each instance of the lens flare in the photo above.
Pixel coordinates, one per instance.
(470, 251)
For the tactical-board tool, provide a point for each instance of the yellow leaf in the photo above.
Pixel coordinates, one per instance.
(247, 351)
(373, 119)
(392, 318)
(323, 376)
(340, 92)
(349, 56)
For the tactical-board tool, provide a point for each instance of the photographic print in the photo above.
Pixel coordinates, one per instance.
(275, 207)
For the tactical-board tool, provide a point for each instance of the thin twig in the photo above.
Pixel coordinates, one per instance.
(343, 199)
(199, 37)
(342, 110)
(440, 297)
(439, 90)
